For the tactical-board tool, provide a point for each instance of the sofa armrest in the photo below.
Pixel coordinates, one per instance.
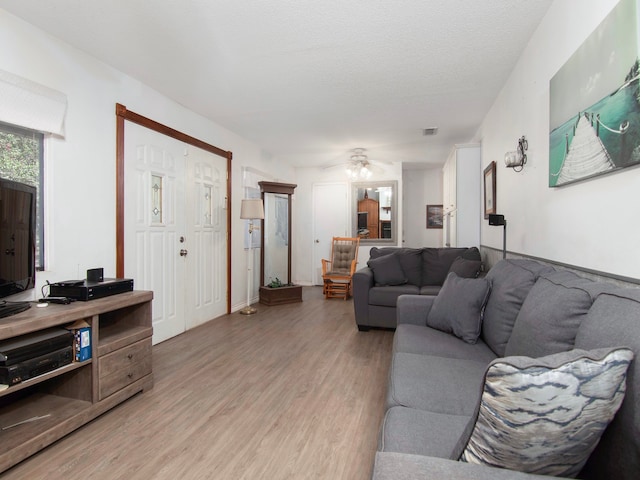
(393, 466)
(414, 309)
(362, 283)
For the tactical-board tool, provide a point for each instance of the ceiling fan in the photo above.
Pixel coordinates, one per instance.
(358, 167)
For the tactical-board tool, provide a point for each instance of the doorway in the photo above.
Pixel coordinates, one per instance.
(330, 219)
(176, 223)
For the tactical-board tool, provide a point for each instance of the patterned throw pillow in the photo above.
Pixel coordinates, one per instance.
(546, 415)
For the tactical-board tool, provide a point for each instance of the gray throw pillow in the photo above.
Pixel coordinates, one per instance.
(458, 307)
(465, 268)
(545, 415)
(387, 270)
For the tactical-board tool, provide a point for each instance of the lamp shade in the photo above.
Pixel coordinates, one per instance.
(251, 208)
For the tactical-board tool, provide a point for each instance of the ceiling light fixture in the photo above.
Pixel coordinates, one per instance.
(359, 167)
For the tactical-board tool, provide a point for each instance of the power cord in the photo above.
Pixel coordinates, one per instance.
(46, 285)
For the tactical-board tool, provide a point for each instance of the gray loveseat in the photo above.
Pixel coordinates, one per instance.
(391, 272)
(533, 313)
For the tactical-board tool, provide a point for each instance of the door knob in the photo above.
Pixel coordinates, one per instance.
(317, 241)
(183, 252)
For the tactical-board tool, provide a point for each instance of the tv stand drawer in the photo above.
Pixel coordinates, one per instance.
(124, 366)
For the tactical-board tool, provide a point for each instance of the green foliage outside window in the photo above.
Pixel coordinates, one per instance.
(20, 158)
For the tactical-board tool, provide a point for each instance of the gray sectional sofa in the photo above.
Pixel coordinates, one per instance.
(534, 320)
(391, 272)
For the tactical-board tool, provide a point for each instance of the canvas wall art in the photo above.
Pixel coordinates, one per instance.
(594, 111)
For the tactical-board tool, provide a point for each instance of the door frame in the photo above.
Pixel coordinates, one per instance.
(122, 115)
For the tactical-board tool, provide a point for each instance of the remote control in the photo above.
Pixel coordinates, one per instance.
(63, 300)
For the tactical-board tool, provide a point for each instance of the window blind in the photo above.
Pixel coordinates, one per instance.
(31, 105)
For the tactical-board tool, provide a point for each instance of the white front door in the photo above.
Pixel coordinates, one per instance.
(206, 236)
(155, 225)
(179, 252)
(330, 219)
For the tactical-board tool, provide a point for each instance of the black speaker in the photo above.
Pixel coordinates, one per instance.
(95, 275)
(496, 219)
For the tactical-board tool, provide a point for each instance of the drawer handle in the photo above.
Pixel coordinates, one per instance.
(130, 356)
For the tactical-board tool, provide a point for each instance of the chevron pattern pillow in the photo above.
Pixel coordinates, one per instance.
(546, 415)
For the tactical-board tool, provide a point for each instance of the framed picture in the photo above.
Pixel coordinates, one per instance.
(434, 216)
(490, 189)
(593, 114)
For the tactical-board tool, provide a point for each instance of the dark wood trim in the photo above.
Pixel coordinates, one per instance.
(122, 114)
(277, 187)
(282, 188)
(119, 194)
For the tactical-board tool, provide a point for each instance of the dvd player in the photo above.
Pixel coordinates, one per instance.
(26, 347)
(14, 374)
(88, 290)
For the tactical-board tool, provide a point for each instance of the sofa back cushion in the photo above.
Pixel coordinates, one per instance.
(614, 319)
(410, 261)
(551, 314)
(436, 263)
(511, 281)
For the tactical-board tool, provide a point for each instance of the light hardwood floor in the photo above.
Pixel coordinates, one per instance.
(293, 392)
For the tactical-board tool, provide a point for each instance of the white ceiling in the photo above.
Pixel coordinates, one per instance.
(310, 80)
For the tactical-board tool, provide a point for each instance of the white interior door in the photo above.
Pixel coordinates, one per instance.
(155, 224)
(206, 236)
(175, 237)
(330, 219)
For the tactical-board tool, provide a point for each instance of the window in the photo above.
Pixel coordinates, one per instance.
(21, 160)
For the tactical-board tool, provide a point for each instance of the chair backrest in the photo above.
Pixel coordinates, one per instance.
(343, 251)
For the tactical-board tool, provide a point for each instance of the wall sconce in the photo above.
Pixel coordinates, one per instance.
(518, 158)
(500, 220)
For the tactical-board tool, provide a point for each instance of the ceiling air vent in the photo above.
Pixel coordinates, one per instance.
(430, 131)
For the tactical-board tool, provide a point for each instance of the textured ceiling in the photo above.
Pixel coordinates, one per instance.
(309, 80)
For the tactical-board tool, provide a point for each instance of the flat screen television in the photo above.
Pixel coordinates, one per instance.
(362, 220)
(17, 237)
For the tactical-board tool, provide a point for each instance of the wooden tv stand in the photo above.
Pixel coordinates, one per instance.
(58, 402)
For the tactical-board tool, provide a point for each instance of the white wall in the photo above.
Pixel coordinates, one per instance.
(303, 241)
(593, 224)
(80, 169)
(421, 188)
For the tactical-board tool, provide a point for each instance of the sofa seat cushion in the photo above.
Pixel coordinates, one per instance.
(388, 296)
(408, 430)
(458, 307)
(435, 384)
(511, 281)
(546, 415)
(429, 341)
(430, 290)
(404, 466)
(551, 314)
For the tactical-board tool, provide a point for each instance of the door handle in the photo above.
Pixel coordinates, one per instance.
(183, 252)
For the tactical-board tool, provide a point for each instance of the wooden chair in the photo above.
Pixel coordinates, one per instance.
(337, 272)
